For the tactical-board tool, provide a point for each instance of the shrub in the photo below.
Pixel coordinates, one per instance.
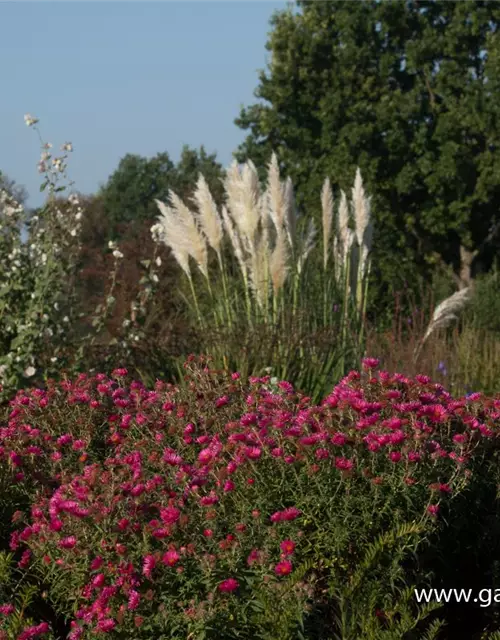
(41, 328)
(236, 508)
(37, 275)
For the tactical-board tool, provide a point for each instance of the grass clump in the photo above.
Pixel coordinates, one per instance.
(265, 301)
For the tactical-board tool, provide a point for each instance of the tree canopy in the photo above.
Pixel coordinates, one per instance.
(128, 197)
(409, 92)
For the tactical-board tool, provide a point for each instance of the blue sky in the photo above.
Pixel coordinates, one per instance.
(125, 77)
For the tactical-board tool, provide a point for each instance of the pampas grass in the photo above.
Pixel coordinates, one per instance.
(279, 289)
(444, 314)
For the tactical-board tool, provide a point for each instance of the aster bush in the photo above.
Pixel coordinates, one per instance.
(234, 507)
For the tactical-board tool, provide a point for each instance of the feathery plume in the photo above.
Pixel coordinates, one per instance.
(327, 210)
(275, 195)
(278, 264)
(235, 241)
(344, 234)
(446, 311)
(208, 216)
(195, 243)
(337, 259)
(257, 272)
(243, 192)
(290, 212)
(172, 234)
(364, 228)
(307, 247)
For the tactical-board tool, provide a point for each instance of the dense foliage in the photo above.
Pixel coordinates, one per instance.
(235, 508)
(407, 91)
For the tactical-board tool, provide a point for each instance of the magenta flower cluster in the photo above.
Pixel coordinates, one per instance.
(139, 492)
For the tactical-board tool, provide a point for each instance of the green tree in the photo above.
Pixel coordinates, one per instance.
(130, 192)
(409, 92)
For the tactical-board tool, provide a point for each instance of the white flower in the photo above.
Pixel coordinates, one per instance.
(155, 278)
(111, 244)
(78, 216)
(54, 359)
(30, 120)
(73, 232)
(158, 261)
(117, 254)
(65, 319)
(157, 232)
(29, 372)
(67, 146)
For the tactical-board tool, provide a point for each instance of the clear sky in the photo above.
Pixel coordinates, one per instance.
(125, 77)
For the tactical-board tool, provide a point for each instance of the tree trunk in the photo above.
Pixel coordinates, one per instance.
(466, 259)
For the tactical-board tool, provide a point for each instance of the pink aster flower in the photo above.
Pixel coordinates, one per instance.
(120, 372)
(433, 509)
(286, 515)
(148, 565)
(171, 457)
(253, 453)
(6, 609)
(253, 556)
(287, 547)
(283, 568)
(229, 585)
(343, 464)
(220, 402)
(25, 559)
(205, 456)
(34, 632)
(96, 563)
(170, 558)
(98, 580)
(169, 515)
(133, 600)
(68, 543)
(208, 501)
(370, 363)
(107, 624)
